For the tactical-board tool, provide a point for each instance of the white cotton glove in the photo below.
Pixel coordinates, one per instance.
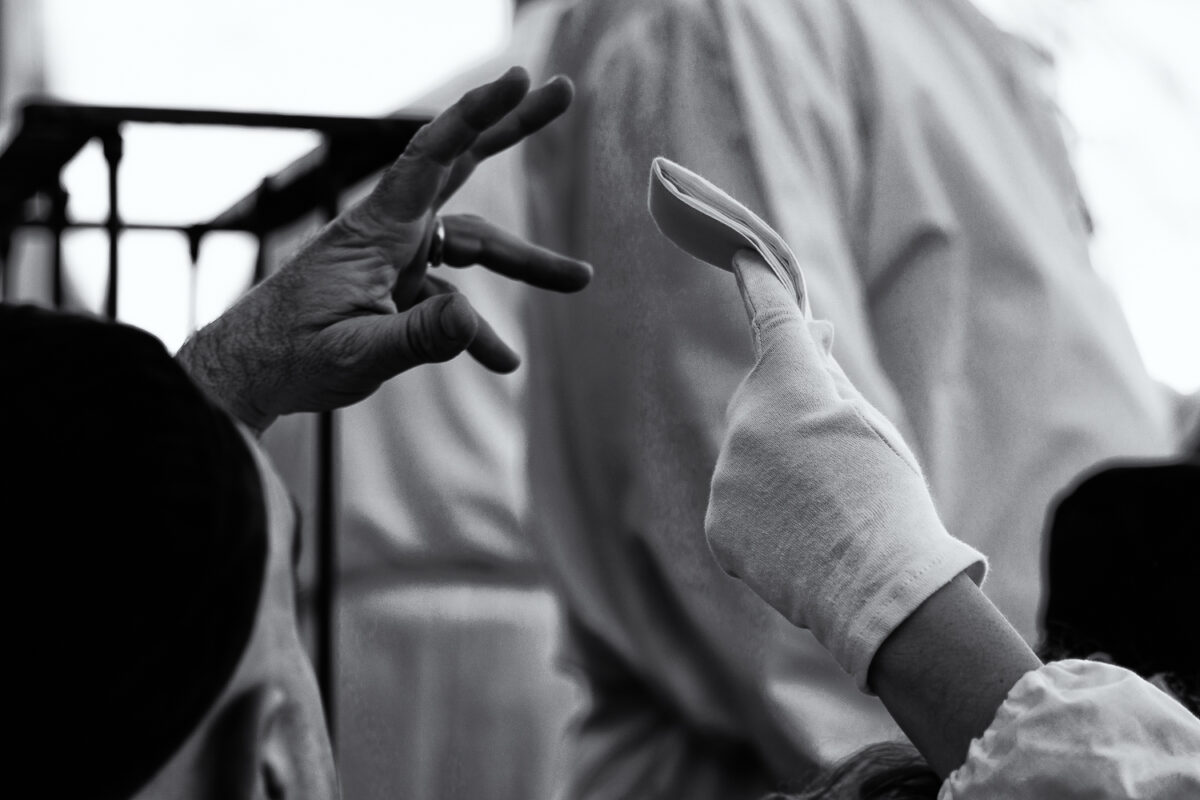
(817, 503)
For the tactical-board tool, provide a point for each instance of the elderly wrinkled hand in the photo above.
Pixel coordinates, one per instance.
(356, 306)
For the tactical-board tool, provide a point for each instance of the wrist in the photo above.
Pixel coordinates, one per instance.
(944, 671)
(211, 360)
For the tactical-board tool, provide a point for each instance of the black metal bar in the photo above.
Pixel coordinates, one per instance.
(195, 236)
(58, 223)
(260, 260)
(114, 147)
(261, 193)
(326, 566)
(326, 577)
(5, 262)
(177, 227)
(47, 112)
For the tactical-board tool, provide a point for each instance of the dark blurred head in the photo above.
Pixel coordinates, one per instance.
(1124, 563)
(158, 647)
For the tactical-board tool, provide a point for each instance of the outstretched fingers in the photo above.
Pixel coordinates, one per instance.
(456, 129)
(537, 110)
(474, 240)
(414, 182)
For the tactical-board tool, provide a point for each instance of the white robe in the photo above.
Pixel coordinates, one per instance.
(902, 148)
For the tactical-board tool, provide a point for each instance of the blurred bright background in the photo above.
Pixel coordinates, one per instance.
(1127, 78)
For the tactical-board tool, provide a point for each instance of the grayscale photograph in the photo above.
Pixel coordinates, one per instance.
(601, 399)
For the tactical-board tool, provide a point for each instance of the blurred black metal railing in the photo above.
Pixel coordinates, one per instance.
(51, 134)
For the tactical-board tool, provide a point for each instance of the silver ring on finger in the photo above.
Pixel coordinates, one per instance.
(437, 245)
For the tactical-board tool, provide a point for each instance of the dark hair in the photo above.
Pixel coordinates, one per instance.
(884, 771)
(1123, 560)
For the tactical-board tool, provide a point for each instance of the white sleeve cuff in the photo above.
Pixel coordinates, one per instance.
(1082, 729)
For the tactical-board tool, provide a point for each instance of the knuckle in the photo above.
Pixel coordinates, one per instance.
(356, 223)
(344, 356)
(429, 144)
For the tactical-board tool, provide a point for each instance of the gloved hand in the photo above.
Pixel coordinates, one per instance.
(816, 502)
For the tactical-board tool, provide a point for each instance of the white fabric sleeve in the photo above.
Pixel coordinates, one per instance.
(816, 502)
(1082, 729)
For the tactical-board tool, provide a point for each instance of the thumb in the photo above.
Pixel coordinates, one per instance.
(434, 330)
(770, 304)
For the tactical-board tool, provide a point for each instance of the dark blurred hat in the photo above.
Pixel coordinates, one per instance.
(133, 511)
(1124, 569)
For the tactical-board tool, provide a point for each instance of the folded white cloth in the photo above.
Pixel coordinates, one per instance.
(816, 502)
(1082, 729)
